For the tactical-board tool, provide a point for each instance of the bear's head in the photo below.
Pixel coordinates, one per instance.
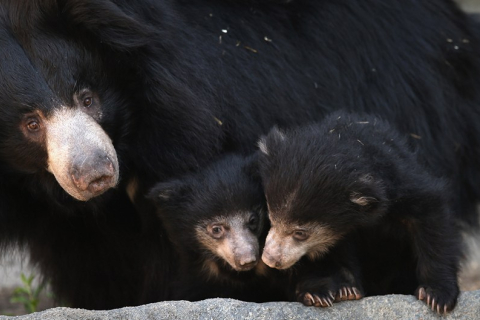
(317, 191)
(217, 217)
(62, 105)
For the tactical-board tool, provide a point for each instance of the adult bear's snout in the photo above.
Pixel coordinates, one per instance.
(81, 155)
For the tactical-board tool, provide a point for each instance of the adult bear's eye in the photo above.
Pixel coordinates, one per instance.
(87, 102)
(33, 125)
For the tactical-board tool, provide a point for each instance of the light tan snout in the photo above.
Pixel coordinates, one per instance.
(81, 156)
(240, 249)
(280, 251)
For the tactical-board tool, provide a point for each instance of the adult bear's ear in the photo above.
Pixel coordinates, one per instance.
(112, 25)
(168, 194)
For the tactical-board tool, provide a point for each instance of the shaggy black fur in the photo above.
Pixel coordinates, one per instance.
(226, 190)
(182, 82)
(217, 195)
(355, 174)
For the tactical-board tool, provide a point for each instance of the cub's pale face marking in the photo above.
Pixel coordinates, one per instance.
(288, 242)
(233, 238)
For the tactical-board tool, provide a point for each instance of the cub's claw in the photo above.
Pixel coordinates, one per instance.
(348, 293)
(439, 302)
(308, 299)
(316, 300)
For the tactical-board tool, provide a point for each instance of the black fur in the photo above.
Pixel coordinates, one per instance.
(176, 96)
(355, 174)
(224, 189)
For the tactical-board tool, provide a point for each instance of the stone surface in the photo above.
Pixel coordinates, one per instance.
(389, 307)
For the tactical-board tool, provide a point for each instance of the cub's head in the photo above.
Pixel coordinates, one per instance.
(217, 216)
(315, 195)
(62, 100)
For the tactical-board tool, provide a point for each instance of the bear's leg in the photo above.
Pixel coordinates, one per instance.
(333, 278)
(436, 243)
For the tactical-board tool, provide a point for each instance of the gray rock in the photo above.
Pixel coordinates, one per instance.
(382, 307)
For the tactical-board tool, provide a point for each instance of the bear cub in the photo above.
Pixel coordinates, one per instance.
(354, 177)
(216, 219)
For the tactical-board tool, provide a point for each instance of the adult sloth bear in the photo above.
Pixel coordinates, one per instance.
(100, 99)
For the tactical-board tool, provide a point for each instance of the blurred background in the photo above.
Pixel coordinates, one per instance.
(22, 292)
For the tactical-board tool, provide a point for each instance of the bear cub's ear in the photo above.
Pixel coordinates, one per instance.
(169, 192)
(274, 137)
(361, 199)
(368, 194)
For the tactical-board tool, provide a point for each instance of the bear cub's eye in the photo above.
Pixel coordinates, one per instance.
(33, 125)
(253, 222)
(216, 231)
(87, 102)
(300, 235)
(87, 99)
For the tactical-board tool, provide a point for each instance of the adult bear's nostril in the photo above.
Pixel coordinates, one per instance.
(79, 178)
(94, 173)
(99, 184)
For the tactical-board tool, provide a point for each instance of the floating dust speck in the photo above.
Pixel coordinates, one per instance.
(465, 41)
(218, 120)
(224, 30)
(250, 49)
(449, 40)
(237, 44)
(331, 131)
(362, 122)
(220, 39)
(316, 85)
(456, 47)
(415, 136)
(360, 142)
(211, 15)
(267, 39)
(374, 70)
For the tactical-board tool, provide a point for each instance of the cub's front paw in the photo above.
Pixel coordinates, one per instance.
(440, 301)
(348, 293)
(317, 299)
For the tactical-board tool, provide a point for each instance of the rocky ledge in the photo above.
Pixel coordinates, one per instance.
(380, 307)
